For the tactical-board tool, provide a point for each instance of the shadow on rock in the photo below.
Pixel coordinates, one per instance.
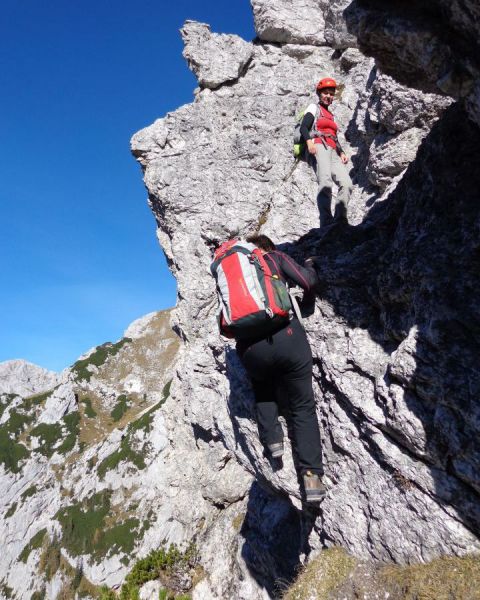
(276, 540)
(410, 276)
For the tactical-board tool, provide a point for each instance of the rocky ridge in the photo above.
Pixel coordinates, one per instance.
(392, 335)
(109, 449)
(83, 484)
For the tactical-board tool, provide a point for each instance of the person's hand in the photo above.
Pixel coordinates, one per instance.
(344, 158)
(310, 261)
(311, 147)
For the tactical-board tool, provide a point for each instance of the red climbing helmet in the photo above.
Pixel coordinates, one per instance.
(327, 82)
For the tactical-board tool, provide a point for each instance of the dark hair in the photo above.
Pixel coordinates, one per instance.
(261, 241)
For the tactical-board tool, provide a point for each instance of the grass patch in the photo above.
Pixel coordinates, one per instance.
(6, 591)
(37, 400)
(33, 544)
(50, 435)
(11, 510)
(321, 576)
(98, 357)
(441, 579)
(5, 400)
(120, 408)
(50, 558)
(17, 422)
(335, 574)
(84, 529)
(124, 453)
(31, 491)
(89, 410)
(75, 585)
(12, 452)
(166, 390)
(169, 564)
(238, 521)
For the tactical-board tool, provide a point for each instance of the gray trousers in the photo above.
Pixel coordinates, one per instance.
(329, 168)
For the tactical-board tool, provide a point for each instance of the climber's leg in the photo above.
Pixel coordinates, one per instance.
(342, 179)
(295, 365)
(323, 170)
(269, 428)
(258, 360)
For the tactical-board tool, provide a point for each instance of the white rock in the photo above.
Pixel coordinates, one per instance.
(25, 379)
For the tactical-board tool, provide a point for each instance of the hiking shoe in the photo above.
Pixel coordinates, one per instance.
(314, 488)
(276, 450)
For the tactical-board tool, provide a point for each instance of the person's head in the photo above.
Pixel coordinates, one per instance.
(261, 241)
(326, 89)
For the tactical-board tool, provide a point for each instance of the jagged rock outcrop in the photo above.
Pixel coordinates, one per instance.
(433, 46)
(87, 477)
(393, 333)
(147, 440)
(24, 378)
(214, 58)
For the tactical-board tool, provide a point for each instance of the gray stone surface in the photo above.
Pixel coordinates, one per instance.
(24, 378)
(384, 357)
(214, 58)
(433, 47)
(301, 22)
(394, 334)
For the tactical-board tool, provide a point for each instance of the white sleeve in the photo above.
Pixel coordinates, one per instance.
(312, 109)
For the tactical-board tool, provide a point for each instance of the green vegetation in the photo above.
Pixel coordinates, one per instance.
(11, 451)
(126, 452)
(50, 558)
(6, 591)
(11, 510)
(441, 579)
(97, 358)
(120, 408)
(5, 400)
(50, 434)
(166, 391)
(335, 574)
(166, 565)
(75, 584)
(107, 594)
(31, 401)
(31, 491)
(17, 422)
(89, 410)
(33, 544)
(322, 576)
(238, 521)
(85, 531)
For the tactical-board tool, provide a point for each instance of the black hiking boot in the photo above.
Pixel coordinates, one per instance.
(315, 490)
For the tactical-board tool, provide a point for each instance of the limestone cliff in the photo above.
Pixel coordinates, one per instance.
(395, 332)
(152, 439)
(81, 465)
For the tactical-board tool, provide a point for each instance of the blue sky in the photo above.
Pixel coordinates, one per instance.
(79, 256)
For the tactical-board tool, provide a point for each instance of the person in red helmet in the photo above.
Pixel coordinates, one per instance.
(319, 132)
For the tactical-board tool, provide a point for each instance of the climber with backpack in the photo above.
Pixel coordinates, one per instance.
(318, 133)
(257, 311)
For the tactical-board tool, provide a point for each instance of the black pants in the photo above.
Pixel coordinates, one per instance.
(283, 363)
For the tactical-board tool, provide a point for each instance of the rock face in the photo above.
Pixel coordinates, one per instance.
(395, 332)
(153, 438)
(433, 47)
(215, 59)
(24, 378)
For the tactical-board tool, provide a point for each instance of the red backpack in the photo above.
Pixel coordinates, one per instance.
(253, 301)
